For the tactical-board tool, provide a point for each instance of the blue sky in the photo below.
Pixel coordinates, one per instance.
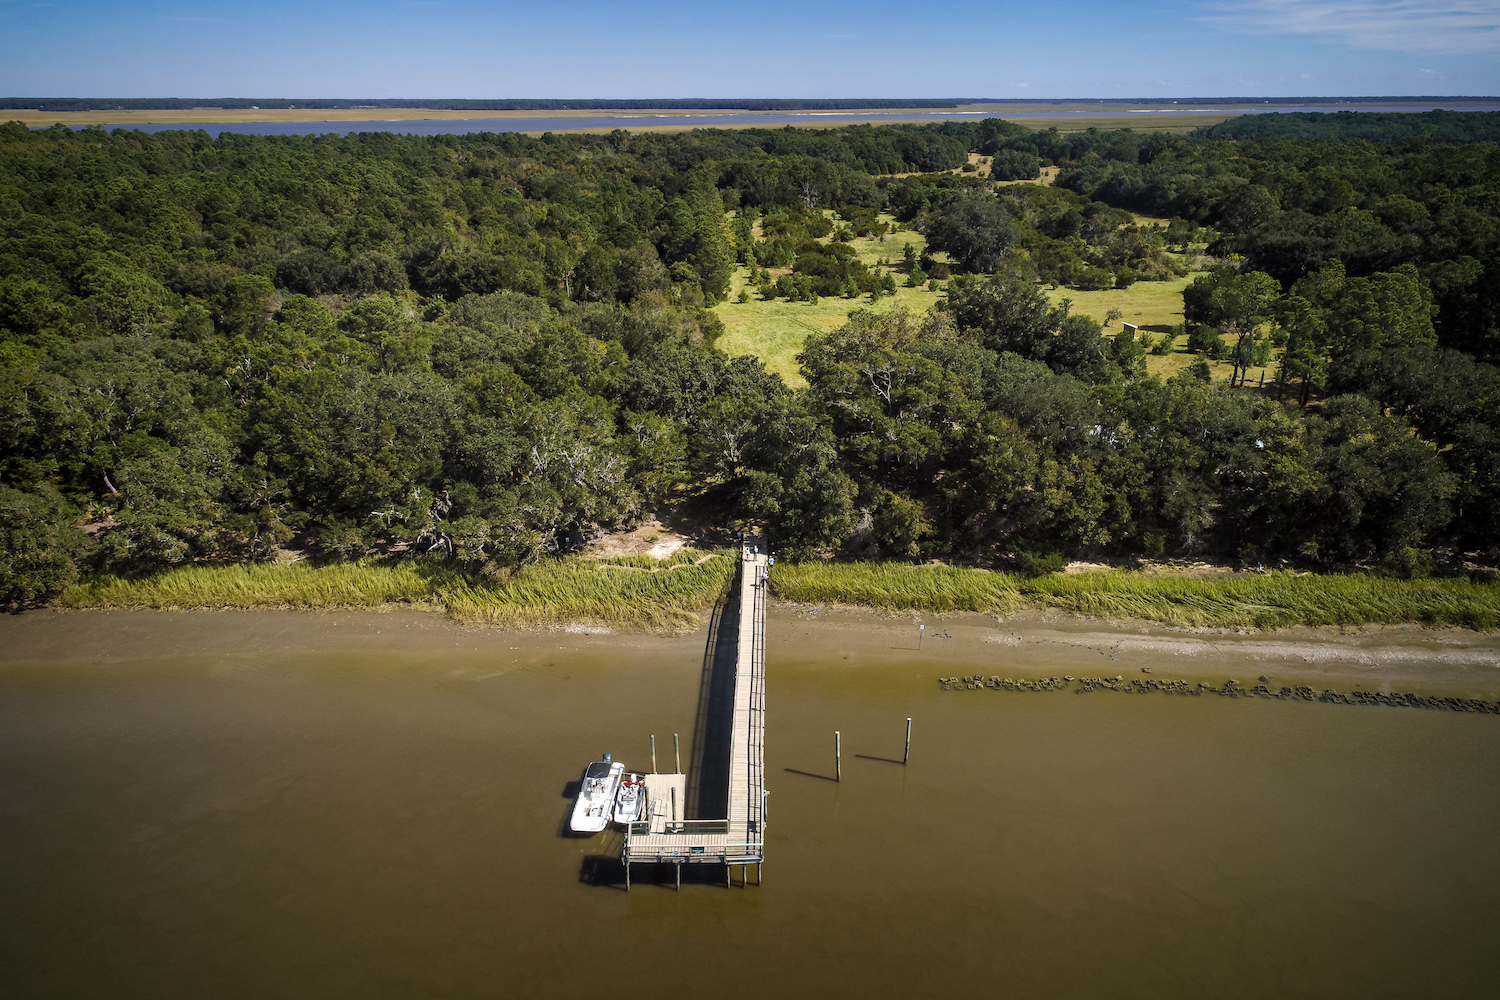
(668, 48)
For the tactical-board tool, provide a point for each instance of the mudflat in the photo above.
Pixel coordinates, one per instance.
(1030, 644)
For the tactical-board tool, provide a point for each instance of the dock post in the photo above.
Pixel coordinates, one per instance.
(838, 758)
(677, 754)
(907, 754)
(653, 753)
(627, 874)
(678, 869)
(728, 875)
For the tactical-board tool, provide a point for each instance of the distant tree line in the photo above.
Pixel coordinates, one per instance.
(499, 104)
(1384, 127)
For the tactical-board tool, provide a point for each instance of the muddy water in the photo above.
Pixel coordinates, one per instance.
(371, 805)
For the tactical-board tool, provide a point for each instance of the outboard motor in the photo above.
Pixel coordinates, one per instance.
(607, 758)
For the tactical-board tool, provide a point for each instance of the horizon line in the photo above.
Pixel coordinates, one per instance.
(729, 102)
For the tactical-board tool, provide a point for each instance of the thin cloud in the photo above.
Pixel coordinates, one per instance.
(1436, 26)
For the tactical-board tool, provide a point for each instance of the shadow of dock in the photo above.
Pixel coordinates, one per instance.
(713, 729)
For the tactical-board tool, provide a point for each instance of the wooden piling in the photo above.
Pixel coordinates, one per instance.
(838, 759)
(653, 753)
(677, 754)
(906, 755)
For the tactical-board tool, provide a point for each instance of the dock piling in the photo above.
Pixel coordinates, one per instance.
(838, 762)
(906, 755)
(653, 753)
(677, 754)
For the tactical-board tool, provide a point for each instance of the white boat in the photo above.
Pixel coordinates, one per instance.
(596, 795)
(630, 800)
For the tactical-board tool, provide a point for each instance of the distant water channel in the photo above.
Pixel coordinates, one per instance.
(464, 126)
(373, 806)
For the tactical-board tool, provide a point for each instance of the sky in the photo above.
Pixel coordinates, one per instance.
(771, 48)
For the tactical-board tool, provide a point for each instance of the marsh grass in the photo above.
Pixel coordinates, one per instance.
(897, 586)
(1272, 600)
(629, 592)
(639, 593)
(1258, 601)
(262, 585)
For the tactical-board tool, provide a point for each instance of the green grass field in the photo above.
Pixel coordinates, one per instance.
(776, 330)
(1154, 306)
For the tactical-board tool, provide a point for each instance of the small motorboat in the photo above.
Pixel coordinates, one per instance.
(596, 795)
(630, 800)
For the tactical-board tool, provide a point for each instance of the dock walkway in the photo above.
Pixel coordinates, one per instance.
(739, 838)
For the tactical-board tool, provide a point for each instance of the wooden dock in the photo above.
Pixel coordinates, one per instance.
(739, 838)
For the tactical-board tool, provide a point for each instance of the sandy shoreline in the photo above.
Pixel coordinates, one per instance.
(1027, 645)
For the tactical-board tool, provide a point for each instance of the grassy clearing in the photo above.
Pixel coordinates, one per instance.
(632, 592)
(776, 330)
(1258, 601)
(1149, 304)
(1153, 306)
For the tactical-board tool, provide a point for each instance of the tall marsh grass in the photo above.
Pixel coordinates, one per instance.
(897, 586)
(1272, 600)
(641, 593)
(633, 592)
(260, 585)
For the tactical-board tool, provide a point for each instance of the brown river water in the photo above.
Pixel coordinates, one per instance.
(371, 805)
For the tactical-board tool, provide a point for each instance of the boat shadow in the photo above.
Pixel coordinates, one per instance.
(565, 821)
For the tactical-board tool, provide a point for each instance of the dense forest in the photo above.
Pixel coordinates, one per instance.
(489, 348)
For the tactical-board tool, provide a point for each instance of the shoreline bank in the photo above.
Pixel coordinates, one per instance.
(1027, 644)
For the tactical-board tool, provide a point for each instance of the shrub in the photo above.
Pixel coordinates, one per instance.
(1035, 563)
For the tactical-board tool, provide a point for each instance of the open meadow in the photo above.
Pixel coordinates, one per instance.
(776, 330)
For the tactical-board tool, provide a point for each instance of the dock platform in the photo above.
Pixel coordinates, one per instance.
(738, 838)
